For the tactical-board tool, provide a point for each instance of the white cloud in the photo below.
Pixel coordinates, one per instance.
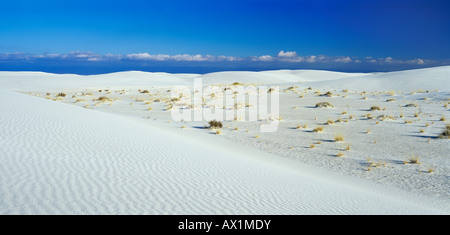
(416, 61)
(311, 59)
(388, 60)
(266, 58)
(287, 54)
(280, 57)
(345, 59)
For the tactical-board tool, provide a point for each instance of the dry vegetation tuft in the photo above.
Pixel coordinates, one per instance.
(215, 124)
(446, 133)
(324, 105)
(319, 129)
(374, 108)
(61, 94)
(103, 99)
(338, 137)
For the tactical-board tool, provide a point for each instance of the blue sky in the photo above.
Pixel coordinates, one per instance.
(180, 35)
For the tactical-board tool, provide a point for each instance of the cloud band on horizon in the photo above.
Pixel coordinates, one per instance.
(282, 56)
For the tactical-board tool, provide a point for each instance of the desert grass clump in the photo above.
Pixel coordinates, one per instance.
(412, 160)
(324, 105)
(318, 129)
(236, 84)
(328, 93)
(374, 108)
(391, 100)
(338, 138)
(443, 119)
(330, 122)
(348, 147)
(215, 124)
(145, 92)
(446, 133)
(271, 90)
(61, 94)
(312, 146)
(412, 105)
(340, 154)
(103, 99)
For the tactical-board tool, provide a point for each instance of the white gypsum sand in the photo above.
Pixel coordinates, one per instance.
(64, 159)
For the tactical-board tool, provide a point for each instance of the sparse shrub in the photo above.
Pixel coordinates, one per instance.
(330, 122)
(328, 93)
(413, 159)
(145, 92)
(443, 119)
(312, 146)
(271, 90)
(340, 155)
(80, 100)
(374, 108)
(324, 105)
(411, 105)
(103, 99)
(215, 124)
(61, 94)
(319, 129)
(391, 100)
(348, 147)
(446, 133)
(338, 138)
(236, 84)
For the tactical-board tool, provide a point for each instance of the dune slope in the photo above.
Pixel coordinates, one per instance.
(60, 159)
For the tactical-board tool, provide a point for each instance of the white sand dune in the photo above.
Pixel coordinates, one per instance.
(61, 159)
(427, 79)
(57, 158)
(437, 78)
